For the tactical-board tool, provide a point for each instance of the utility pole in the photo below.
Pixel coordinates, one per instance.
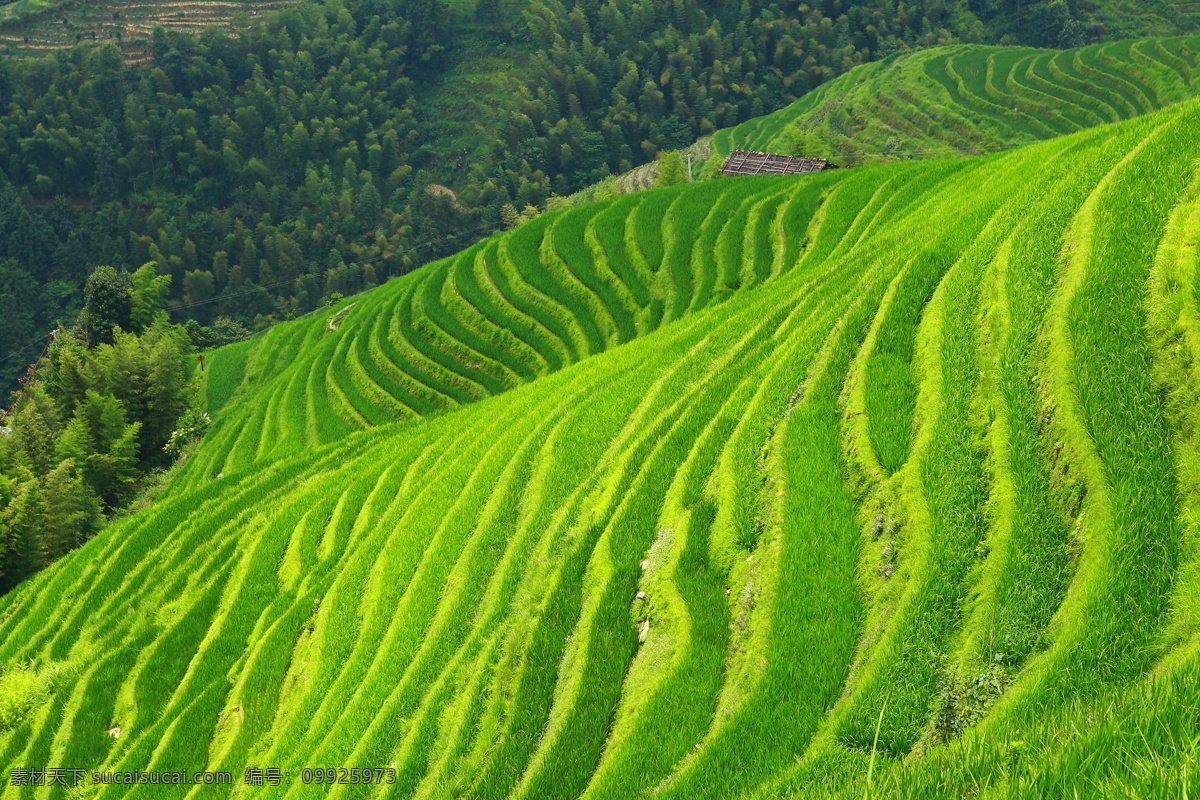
(689, 160)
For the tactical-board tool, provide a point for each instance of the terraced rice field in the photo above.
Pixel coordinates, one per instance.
(505, 312)
(128, 23)
(973, 99)
(875, 483)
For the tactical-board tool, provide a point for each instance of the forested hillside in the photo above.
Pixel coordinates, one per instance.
(879, 482)
(307, 153)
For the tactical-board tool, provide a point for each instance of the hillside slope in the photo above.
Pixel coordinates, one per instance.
(37, 27)
(576, 283)
(500, 314)
(970, 99)
(912, 512)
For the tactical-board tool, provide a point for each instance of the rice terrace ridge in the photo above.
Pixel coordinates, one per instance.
(858, 462)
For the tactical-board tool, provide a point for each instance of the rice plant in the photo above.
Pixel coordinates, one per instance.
(880, 482)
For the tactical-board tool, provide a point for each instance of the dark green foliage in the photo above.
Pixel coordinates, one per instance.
(36, 425)
(107, 304)
(72, 510)
(229, 161)
(488, 12)
(147, 295)
(1050, 23)
(18, 301)
(20, 525)
(101, 433)
(617, 83)
(223, 331)
(105, 188)
(94, 419)
(146, 373)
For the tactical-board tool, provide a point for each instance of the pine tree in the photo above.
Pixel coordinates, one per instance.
(76, 442)
(68, 373)
(167, 387)
(197, 286)
(369, 206)
(111, 469)
(7, 543)
(220, 267)
(18, 303)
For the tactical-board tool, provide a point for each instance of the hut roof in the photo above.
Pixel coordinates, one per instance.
(748, 162)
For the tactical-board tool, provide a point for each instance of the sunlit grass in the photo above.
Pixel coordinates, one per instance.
(874, 483)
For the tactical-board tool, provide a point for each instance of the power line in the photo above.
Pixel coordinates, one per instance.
(27, 347)
(28, 379)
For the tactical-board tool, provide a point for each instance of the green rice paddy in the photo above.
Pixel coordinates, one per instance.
(973, 99)
(881, 482)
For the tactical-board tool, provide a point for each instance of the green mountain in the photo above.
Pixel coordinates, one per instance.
(879, 482)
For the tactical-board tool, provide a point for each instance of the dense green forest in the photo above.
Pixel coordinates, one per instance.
(100, 419)
(269, 168)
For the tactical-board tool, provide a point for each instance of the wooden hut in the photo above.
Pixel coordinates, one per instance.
(749, 162)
